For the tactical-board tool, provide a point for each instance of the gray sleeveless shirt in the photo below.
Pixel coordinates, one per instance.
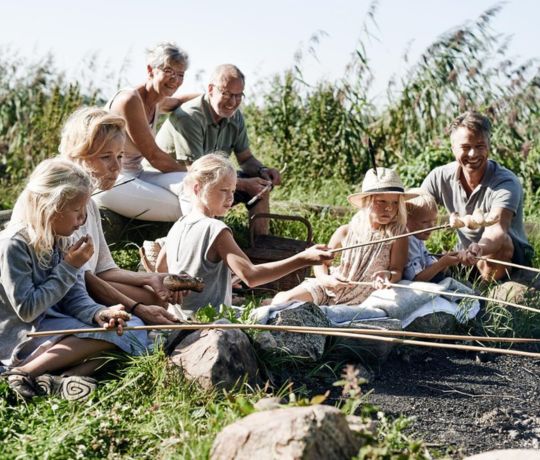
(187, 246)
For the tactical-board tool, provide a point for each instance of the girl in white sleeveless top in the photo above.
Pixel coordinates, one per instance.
(203, 246)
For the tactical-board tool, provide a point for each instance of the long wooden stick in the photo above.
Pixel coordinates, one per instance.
(390, 238)
(114, 186)
(509, 264)
(353, 330)
(296, 329)
(447, 293)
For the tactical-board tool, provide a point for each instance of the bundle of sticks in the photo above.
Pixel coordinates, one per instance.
(395, 337)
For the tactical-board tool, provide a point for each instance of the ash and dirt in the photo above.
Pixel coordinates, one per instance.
(461, 403)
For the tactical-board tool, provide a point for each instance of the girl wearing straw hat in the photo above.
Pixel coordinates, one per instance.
(381, 214)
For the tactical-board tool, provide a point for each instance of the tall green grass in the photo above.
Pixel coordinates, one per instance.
(321, 131)
(35, 100)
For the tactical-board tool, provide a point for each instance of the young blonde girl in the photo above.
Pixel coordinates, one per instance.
(95, 139)
(41, 288)
(381, 214)
(203, 246)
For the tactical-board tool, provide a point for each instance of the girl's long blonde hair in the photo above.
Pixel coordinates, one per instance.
(53, 183)
(207, 171)
(361, 225)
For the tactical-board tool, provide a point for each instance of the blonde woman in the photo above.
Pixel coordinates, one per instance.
(95, 139)
(153, 192)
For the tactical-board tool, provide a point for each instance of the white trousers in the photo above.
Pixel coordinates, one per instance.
(152, 195)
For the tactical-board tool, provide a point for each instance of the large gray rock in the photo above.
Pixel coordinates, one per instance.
(435, 323)
(309, 347)
(507, 454)
(511, 291)
(365, 350)
(313, 432)
(216, 358)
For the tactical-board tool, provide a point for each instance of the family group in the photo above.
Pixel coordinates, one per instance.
(56, 269)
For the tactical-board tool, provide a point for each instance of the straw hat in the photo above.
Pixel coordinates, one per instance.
(385, 180)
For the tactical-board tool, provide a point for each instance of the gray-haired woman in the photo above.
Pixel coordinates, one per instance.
(152, 194)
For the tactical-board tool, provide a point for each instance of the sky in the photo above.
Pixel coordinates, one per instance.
(104, 40)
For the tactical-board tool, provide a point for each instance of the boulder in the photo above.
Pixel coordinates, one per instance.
(510, 291)
(313, 432)
(437, 323)
(216, 358)
(371, 351)
(308, 347)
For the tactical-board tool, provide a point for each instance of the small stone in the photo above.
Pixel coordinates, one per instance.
(269, 403)
(511, 291)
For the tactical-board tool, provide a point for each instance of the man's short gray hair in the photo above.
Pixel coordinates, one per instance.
(166, 53)
(225, 72)
(472, 120)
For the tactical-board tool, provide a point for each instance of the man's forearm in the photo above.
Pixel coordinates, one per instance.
(251, 167)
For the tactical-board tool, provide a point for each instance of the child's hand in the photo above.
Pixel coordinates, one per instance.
(80, 252)
(154, 314)
(451, 258)
(471, 254)
(382, 278)
(113, 317)
(333, 283)
(316, 255)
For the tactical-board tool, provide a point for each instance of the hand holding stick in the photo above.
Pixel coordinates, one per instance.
(474, 221)
(257, 197)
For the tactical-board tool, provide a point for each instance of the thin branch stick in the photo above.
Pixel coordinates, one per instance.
(451, 294)
(353, 330)
(509, 264)
(296, 329)
(257, 197)
(115, 185)
(390, 238)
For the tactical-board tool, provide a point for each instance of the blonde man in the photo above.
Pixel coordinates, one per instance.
(474, 181)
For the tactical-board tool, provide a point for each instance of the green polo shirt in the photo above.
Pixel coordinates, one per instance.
(190, 132)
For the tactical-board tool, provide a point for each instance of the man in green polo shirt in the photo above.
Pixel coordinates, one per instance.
(212, 122)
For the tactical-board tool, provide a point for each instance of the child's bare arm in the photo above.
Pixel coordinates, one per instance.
(448, 260)
(398, 259)
(336, 241)
(226, 249)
